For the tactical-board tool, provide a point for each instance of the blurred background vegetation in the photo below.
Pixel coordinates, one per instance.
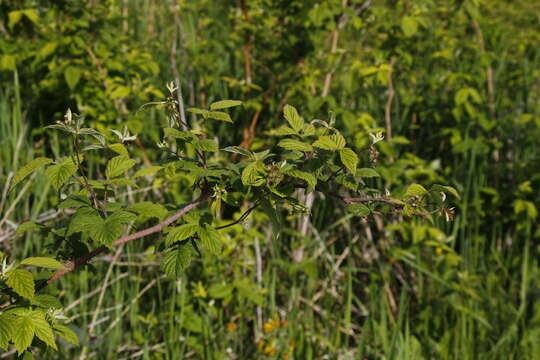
(455, 86)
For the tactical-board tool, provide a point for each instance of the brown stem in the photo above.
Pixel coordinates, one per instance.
(388, 107)
(73, 264)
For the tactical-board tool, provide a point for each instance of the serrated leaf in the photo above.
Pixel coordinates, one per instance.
(43, 329)
(119, 149)
(181, 233)
(291, 144)
(349, 159)
(358, 209)
(415, 190)
(292, 117)
(66, 333)
(83, 219)
(46, 301)
(326, 143)
(339, 140)
(74, 201)
(6, 330)
(149, 209)
(118, 165)
(176, 260)
(72, 76)
(206, 145)
(29, 169)
(283, 131)
(105, 231)
(219, 115)
(309, 178)
(95, 134)
(210, 239)
(367, 172)
(252, 175)
(348, 181)
(238, 150)
(23, 332)
(22, 282)
(177, 134)
(26, 226)
(58, 174)
(224, 104)
(43, 262)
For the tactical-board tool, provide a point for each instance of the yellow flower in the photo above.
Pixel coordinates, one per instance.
(268, 327)
(260, 344)
(286, 355)
(270, 350)
(438, 251)
(285, 323)
(231, 327)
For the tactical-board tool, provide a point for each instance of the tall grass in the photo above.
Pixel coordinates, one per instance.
(350, 290)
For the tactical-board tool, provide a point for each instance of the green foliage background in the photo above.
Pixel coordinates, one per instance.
(455, 86)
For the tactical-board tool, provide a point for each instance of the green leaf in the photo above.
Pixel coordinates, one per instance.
(291, 144)
(349, 159)
(238, 150)
(28, 169)
(176, 260)
(218, 115)
(149, 209)
(6, 330)
(275, 219)
(210, 239)
(177, 134)
(198, 111)
(252, 174)
(332, 143)
(43, 329)
(147, 171)
(367, 172)
(446, 189)
(105, 231)
(27, 226)
(58, 174)
(415, 190)
(220, 291)
(72, 75)
(120, 91)
(44, 262)
(206, 145)
(120, 149)
(118, 165)
(292, 117)
(224, 104)
(23, 332)
(14, 17)
(309, 178)
(409, 25)
(83, 219)
(66, 333)
(358, 209)
(22, 282)
(180, 233)
(46, 301)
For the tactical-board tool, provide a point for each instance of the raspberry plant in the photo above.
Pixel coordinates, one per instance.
(309, 156)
